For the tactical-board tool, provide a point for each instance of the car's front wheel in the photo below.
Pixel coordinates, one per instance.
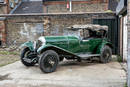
(27, 57)
(106, 54)
(49, 61)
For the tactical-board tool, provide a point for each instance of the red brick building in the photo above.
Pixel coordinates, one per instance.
(51, 6)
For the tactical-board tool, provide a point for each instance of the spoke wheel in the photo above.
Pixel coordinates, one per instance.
(49, 61)
(26, 57)
(106, 54)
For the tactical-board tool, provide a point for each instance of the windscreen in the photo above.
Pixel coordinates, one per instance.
(76, 33)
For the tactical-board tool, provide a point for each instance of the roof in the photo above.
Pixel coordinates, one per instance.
(29, 7)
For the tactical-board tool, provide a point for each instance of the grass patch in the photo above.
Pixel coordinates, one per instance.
(119, 58)
(7, 57)
(8, 60)
(8, 53)
(6, 63)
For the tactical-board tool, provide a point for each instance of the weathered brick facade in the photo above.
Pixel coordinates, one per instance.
(5, 8)
(95, 7)
(77, 6)
(23, 28)
(2, 33)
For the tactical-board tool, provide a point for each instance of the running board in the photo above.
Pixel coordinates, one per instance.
(86, 56)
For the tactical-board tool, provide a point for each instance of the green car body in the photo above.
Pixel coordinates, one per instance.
(49, 50)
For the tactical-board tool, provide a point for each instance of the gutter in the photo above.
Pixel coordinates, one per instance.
(54, 14)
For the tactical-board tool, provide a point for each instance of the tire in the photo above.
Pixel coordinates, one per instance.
(61, 59)
(23, 54)
(106, 54)
(48, 61)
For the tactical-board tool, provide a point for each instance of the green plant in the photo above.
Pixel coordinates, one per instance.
(8, 53)
(119, 58)
(125, 85)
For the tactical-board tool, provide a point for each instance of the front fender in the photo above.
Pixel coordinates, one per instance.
(28, 44)
(44, 47)
(55, 48)
(41, 48)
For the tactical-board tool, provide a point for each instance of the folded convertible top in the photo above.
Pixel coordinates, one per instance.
(94, 27)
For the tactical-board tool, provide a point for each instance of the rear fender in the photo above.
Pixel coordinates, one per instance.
(28, 44)
(102, 45)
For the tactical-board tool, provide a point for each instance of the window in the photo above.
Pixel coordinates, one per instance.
(16, 1)
(86, 34)
(11, 4)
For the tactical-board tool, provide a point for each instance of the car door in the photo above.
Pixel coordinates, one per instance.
(73, 46)
(90, 45)
(85, 45)
(93, 44)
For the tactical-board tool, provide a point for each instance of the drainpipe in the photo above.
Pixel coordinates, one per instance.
(70, 3)
(7, 3)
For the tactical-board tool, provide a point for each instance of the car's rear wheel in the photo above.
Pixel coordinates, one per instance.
(106, 54)
(27, 58)
(49, 61)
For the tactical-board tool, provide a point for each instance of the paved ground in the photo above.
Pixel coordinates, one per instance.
(68, 74)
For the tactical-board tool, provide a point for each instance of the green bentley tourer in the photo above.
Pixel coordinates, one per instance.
(81, 42)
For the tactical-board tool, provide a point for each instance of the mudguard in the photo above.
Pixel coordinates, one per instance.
(28, 44)
(52, 47)
(102, 45)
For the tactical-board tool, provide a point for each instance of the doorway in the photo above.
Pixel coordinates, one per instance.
(112, 31)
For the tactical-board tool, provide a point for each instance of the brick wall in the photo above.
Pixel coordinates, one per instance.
(21, 29)
(2, 33)
(81, 6)
(24, 28)
(3, 9)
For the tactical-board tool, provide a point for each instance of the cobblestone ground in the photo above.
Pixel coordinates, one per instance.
(68, 74)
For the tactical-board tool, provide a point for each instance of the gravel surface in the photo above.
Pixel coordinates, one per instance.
(68, 74)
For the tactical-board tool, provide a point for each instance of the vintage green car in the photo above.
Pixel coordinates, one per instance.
(81, 42)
